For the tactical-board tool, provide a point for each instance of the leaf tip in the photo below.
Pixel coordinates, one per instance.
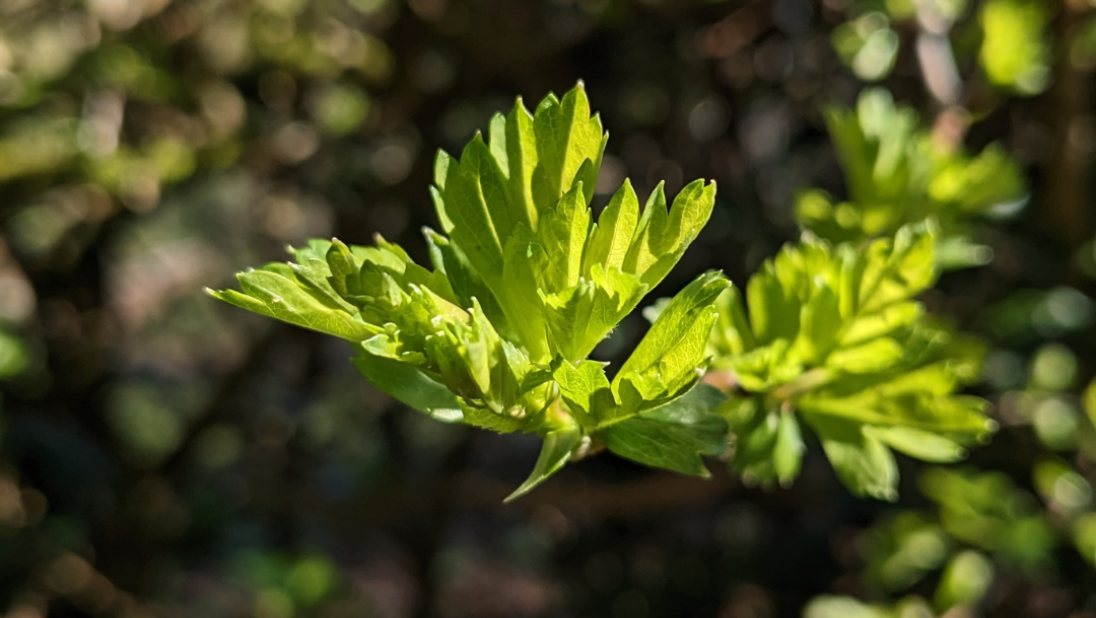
(992, 426)
(517, 493)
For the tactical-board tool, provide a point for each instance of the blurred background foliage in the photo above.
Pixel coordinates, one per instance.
(164, 456)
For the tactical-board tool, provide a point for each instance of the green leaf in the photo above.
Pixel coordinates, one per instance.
(586, 390)
(1090, 401)
(662, 237)
(580, 317)
(676, 326)
(274, 295)
(863, 463)
(312, 271)
(673, 436)
(896, 271)
(835, 337)
(562, 234)
(918, 443)
(558, 447)
(867, 327)
(955, 415)
(465, 283)
(966, 579)
(788, 450)
(570, 144)
(988, 511)
(463, 201)
(643, 252)
(768, 445)
(521, 159)
(410, 385)
(732, 334)
(1015, 52)
(773, 315)
(14, 355)
(898, 173)
(486, 372)
(611, 237)
(874, 356)
(844, 607)
(820, 324)
(520, 297)
(524, 287)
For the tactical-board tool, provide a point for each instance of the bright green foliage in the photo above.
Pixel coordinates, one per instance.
(832, 336)
(1015, 53)
(988, 511)
(904, 548)
(868, 45)
(965, 581)
(524, 285)
(674, 436)
(896, 175)
(848, 607)
(1084, 537)
(1090, 401)
(14, 355)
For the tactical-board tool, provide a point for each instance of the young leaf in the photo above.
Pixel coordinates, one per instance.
(898, 174)
(410, 385)
(673, 436)
(672, 328)
(661, 237)
(562, 234)
(557, 449)
(586, 390)
(862, 462)
(524, 287)
(462, 201)
(570, 145)
(521, 159)
(275, 295)
(612, 235)
(835, 338)
(671, 357)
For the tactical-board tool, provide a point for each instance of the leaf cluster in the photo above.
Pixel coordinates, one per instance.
(897, 174)
(523, 284)
(832, 336)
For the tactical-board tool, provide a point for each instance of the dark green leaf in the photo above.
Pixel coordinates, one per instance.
(673, 436)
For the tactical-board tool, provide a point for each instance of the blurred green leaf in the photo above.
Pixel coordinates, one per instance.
(965, 581)
(833, 334)
(1015, 53)
(14, 355)
(867, 45)
(903, 549)
(988, 511)
(897, 174)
